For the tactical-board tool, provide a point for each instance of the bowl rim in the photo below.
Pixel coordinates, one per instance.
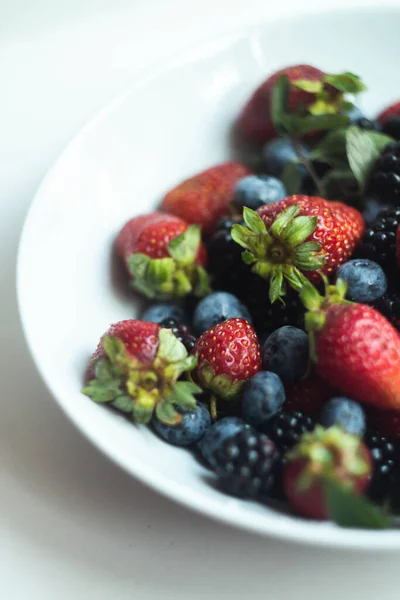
(294, 529)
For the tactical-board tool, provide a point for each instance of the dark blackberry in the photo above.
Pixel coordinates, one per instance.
(287, 428)
(246, 464)
(385, 459)
(391, 127)
(180, 331)
(379, 240)
(384, 180)
(269, 317)
(226, 268)
(389, 306)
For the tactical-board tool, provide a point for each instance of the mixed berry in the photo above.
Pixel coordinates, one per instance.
(271, 342)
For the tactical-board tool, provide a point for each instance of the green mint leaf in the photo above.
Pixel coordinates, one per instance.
(312, 87)
(279, 101)
(332, 149)
(348, 509)
(253, 221)
(346, 82)
(341, 183)
(291, 178)
(361, 153)
(301, 125)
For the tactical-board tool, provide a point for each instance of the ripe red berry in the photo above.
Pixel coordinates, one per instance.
(164, 256)
(321, 457)
(136, 368)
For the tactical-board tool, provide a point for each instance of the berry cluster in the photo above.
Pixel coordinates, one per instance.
(271, 344)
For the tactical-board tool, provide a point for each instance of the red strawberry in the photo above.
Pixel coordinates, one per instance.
(255, 122)
(308, 395)
(354, 347)
(206, 197)
(136, 368)
(164, 255)
(296, 238)
(228, 355)
(310, 93)
(323, 457)
(391, 111)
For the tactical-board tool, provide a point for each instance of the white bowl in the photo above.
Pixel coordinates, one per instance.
(171, 124)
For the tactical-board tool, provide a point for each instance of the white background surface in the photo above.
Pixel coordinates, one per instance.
(73, 526)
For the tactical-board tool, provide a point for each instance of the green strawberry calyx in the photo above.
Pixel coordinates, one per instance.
(329, 455)
(281, 253)
(220, 385)
(141, 389)
(318, 305)
(174, 276)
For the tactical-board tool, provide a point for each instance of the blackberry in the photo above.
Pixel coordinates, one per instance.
(246, 464)
(385, 459)
(389, 306)
(269, 317)
(286, 429)
(391, 127)
(379, 240)
(180, 331)
(226, 268)
(384, 180)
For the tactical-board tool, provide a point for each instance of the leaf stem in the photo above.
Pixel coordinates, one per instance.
(303, 159)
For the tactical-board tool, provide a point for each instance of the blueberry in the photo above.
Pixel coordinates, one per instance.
(217, 434)
(366, 280)
(218, 307)
(254, 191)
(285, 352)
(158, 312)
(278, 153)
(346, 413)
(263, 397)
(191, 429)
(355, 114)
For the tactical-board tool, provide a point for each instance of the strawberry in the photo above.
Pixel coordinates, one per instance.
(324, 457)
(298, 238)
(308, 395)
(164, 256)
(391, 111)
(310, 92)
(227, 355)
(353, 346)
(206, 197)
(136, 368)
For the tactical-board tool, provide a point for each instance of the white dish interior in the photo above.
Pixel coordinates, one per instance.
(171, 124)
